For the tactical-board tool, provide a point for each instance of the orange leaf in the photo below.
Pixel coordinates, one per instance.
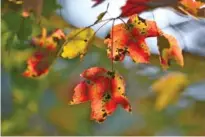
(171, 51)
(104, 92)
(96, 93)
(39, 63)
(117, 43)
(49, 41)
(80, 93)
(139, 51)
(129, 39)
(118, 92)
(192, 6)
(110, 106)
(142, 28)
(93, 72)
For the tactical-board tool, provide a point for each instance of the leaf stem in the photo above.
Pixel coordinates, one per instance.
(112, 61)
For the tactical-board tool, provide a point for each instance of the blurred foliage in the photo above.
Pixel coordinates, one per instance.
(169, 88)
(39, 106)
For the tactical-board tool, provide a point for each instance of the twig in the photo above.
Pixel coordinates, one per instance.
(112, 62)
(61, 48)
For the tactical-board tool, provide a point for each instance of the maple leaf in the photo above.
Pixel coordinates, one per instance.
(190, 6)
(80, 39)
(104, 89)
(134, 7)
(137, 6)
(129, 39)
(80, 93)
(168, 88)
(46, 51)
(93, 72)
(169, 49)
(117, 44)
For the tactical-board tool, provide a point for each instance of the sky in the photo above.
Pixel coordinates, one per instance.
(189, 34)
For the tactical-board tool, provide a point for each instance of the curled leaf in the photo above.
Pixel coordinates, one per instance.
(78, 43)
(169, 49)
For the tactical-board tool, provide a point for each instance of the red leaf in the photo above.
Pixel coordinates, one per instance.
(117, 43)
(129, 39)
(142, 28)
(139, 51)
(96, 93)
(39, 63)
(103, 92)
(80, 93)
(110, 106)
(48, 41)
(93, 72)
(134, 7)
(97, 2)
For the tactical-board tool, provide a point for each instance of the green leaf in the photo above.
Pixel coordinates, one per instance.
(13, 20)
(25, 29)
(101, 15)
(49, 7)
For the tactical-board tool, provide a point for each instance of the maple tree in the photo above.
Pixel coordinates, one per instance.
(104, 89)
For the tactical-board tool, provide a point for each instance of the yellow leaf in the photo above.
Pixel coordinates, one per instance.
(168, 88)
(79, 41)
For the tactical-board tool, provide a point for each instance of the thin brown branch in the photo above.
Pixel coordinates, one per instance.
(112, 62)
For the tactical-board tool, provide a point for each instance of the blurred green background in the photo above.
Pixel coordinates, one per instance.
(39, 106)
